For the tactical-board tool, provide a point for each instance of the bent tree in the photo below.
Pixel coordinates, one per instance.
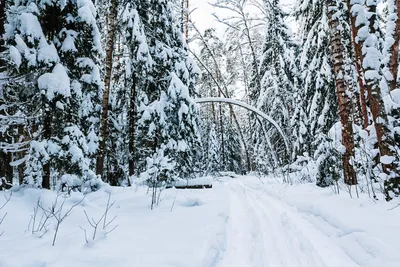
(250, 108)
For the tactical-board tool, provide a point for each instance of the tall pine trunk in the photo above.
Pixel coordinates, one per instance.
(372, 78)
(342, 94)
(393, 50)
(107, 87)
(357, 47)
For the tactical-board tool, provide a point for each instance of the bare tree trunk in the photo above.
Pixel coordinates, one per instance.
(107, 84)
(132, 115)
(342, 94)
(221, 122)
(47, 136)
(357, 46)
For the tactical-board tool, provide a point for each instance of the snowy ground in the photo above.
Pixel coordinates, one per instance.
(240, 222)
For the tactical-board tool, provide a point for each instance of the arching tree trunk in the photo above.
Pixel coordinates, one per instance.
(250, 108)
(342, 94)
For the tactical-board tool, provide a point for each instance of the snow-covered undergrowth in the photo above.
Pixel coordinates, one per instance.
(181, 231)
(244, 222)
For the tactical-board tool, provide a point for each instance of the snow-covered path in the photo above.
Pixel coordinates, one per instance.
(240, 222)
(264, 231)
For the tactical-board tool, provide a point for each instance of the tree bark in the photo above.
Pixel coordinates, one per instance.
(107, 86)
(357, 46)
(379, 115)
(2, 22)
(394, 49)
(132, 116)
(342, 94)
(47, 136)
(4, 156)
(221, 122)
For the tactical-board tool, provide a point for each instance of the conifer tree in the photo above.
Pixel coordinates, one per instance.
(316, 108)
(52, 48)
(168, 116)
(278, 73)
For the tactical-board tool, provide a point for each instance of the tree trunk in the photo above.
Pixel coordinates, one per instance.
(342, 94)
(132, 115)
(393, 51)
(2, 22)
(379, 115)
(107, 86)
(47, 136)
(221, 122)
(357, 46)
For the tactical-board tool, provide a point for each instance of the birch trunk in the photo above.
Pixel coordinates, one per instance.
(342, 94)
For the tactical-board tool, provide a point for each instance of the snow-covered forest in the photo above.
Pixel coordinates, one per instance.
(288, 112)
(106, 91)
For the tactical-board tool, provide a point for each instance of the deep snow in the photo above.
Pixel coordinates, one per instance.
(244, 222)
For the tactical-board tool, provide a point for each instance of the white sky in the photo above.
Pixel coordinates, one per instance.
(203, 18)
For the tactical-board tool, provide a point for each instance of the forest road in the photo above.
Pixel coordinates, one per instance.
(264, 231)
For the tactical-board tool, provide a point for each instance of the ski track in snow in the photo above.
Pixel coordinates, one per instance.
(263, 231)
(240, 222)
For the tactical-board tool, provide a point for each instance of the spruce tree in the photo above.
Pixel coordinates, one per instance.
(52, 49)
(278, 72)
(316, 109)
(168, 118)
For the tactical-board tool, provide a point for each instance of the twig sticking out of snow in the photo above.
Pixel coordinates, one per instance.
(5, 214)
(57, 213)
(41, 225)
(95, 224)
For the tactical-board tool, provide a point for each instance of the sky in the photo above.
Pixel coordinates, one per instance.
(202, 14)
